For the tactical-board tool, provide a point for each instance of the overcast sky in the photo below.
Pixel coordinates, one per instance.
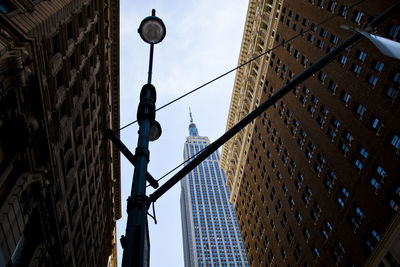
(203, 41)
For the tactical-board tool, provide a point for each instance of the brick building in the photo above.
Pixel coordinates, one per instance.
(314, 180)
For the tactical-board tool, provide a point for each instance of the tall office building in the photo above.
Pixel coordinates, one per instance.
(314, 180)
(210, 231)
(59, 91)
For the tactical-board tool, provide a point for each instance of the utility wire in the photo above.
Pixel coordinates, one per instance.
(179, 165)
(302, 33)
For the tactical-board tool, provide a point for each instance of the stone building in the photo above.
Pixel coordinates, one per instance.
(59, 91)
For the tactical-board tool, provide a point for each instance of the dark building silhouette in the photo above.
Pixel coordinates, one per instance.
(59, 91)
(315, 179)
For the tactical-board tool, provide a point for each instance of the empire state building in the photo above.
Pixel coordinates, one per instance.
(211, 236)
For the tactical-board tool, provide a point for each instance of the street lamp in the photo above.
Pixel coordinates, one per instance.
(152, 29)
(136, 241)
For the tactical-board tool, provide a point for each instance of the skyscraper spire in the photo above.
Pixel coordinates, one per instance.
(191, 118)
(192, 127)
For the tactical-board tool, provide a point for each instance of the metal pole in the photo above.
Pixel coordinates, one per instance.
(128, 154)
(136, 249)
(150, 64)
(269, 102)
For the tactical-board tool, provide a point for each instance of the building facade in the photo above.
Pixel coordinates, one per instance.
(211, 235)
(314, 179)
(59, 92)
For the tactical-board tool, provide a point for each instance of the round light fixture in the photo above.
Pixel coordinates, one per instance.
(155, 131)
(152, 30)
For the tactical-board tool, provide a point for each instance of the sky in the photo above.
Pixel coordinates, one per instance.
(202, 42)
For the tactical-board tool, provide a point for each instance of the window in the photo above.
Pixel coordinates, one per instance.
(345, 192)
(332, 86)
(361, 56)
(291, 201)
(313, 27)
(277, 38)
(298, 217)
(320, 121)
(317, 168)
(391, 93)
(289, 48)
(304, 61)
(303, 100)
(283, 252)
(375, 234)
(340, 202)
(311, 146)
(375, 184)
(332, 134)
(377, 125)
(378, 66)
(69, 30)
(324, 111)
(310, 38)
(363, 153)
(306, 233)
(320, 44)
(55, 43)
(311, 110)
(324, 234)
(349, 137)
(344, 148)
(315, 253)
(372, 80)
(360, 110)
(343, 11)
(322, 76)
(395, 141)
(346, 98)
(356, 69)
(335, 123)
(296, 54)
(323, 33)
(358, 16)
(381, 172)
(359, 213)
(314, 100)
(331, 6)
(343, 59)
(358, 164)
(277, 237)
(396, 77)
(392, 31)
(308, 155)
(373, 240)
(334, 39)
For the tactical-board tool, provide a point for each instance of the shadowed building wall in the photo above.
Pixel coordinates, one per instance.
(59, 91)
(314, 180)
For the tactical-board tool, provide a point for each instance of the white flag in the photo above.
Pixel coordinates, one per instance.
(387, 47)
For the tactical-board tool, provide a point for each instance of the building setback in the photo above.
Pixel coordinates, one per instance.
(59, 91)
(314, 179)
(210, 231)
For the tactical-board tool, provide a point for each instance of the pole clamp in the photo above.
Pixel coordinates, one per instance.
(136, 201)
(142, 151)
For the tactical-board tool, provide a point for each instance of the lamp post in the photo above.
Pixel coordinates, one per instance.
(136, 243)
